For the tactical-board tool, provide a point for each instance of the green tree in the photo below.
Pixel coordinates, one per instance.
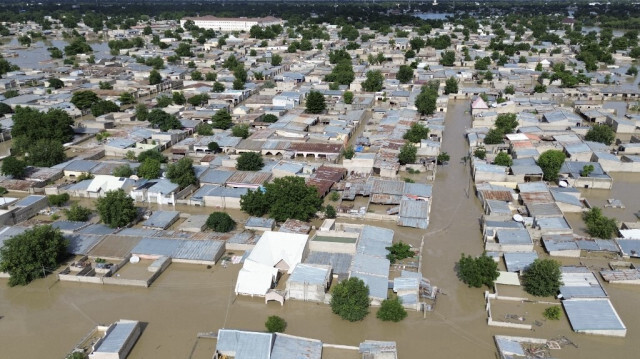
(204, 129)
(105, 85)
(77, 213)
(103, 107)
(45, 153)
(330, 211)
(142, 113)
(182, 173)
(315, 102)
(249, 161)
(116, 209)
(586, 170)
(347, 96)
(426, 100)
(540, 88)
(255, 203)
(12, 166)
(150, 169)
(220, 222)
(447, 58)
(77, 46)
(178, 98)
(218, 87)
(416, 133)
(214, 147)
(391, 310)
(5, 109)
(222, 119)
(123, 171)
(506, 122)
(552, 313)
(374, 81)
(494, 137)
(407, 154)
(443, 157)
(240, 131)
(154, 77)
(542, 278)
(126, 98)
(55, 83)
(399, 251)
(598, 225)
(275, 324)
(350, 299)
(269, 118)
(162, 120)
(451, 86)
(479, 271)
(510, 90)
(58, 200)
(196, 75)
(480, 153)
(503, 159)
(30, 255)
(144, 155)
(84, 99)
(601, 133)
(550, 162)
(348, 152)
(276, 60)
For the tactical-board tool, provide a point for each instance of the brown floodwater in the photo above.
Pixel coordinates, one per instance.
(47, 318)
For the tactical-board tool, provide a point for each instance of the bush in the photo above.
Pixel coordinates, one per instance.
(599, 225)
(249, 161)
(480, 153)
(443, 157)
(552, 313)
(350, 299)
(330, 212)
(477, 271)
(600, 133)
(275, 324)
(220, 222)
(58, 200)
(399, 251)
(348, 152)
(542, 278)
(503, 159)
(334, 196)
(77, 213)
(391, 310)
(123, 171)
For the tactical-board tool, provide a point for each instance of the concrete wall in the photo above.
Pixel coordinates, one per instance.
(305, 291)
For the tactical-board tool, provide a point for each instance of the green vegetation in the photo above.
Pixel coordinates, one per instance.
(116, 209)
(143, 156)
(451, 86)
(249, 161)
(182, 173)
(374, 81)
(407, 154)
(348, 152)
(416, 133)
(162, 120)
(123, 171)
(154, 77)
(600, 133)
(479, 271)
(269, 118)
(32, 254)
(350, 299)
(84, 99)
(220, 222)
(315, 102)
(240, 131)
(551, 161)
(426, 100)
(222, 120)
(77, 213)
(58, 200)
(552, 313)
(12, 166)
(330, 211)
(480, 153)
(103, 107)
(542, 278)
(275, 324)
(347, 96)
(405, 74)
(443, 157)
(599, 225)
(586, 170)
(399, 251)
(149, 169)
(284, 198)
(503, 159)
(391, 310)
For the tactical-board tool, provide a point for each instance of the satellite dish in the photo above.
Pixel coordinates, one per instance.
(563, 184)
(518, 218)
(134, 259)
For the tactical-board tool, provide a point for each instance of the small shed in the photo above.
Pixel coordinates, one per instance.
(309, 282)
(260, 224)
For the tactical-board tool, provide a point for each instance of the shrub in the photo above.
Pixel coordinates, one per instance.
(391, 310)
(399, 251)
(330, 212)
(275, 324)
(334, 196)
(220, 222)
(77, 213)
(599, 225)
(58, 199)
(552, 313)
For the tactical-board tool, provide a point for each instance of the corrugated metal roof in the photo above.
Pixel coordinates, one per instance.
(387, 187)
(558, 245)
(514, 236)
(260, 222)
(248, 177)
(378, 286)
(519, 261)
(374, 240)
(291, 347)
(592, 314)
(161, 219)
(245, 345)
(370, 265)
(81, 244)
(310, 273)
(115, 341)
(544, 209)
(97, 230)
(552, 223)
(215, 176)
(339, 262)
(69, 226)
(28, 201)
(630, 247)
(378, 347)
(579, 282)
(201, 250)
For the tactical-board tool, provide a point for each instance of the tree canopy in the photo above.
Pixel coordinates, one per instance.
(150, 169)
(33, 253)
(315, 102)
(103, 107)
(350, 299)
(222, 119)
(451, 85)
(84, 99)
(600, 133)
(416, 133)
(374, 81)
(249, 161)
(542, 278)
(407, 154)
(426, 100)
(599, 225)
(479, 271)
(503, 159)
(162, 120)
(31, 125)
(284, 198)
(391, 310)
(405, 74)
(220, 222)
(182, 173)
(116, 209)
(151, 154)
(550, 162)
(275, 324)
(12, 166)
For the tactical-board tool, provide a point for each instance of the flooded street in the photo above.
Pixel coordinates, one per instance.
(47, 318)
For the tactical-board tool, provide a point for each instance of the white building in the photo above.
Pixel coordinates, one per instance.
(227, 24)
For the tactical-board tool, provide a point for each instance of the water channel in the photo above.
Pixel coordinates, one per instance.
(46, 318)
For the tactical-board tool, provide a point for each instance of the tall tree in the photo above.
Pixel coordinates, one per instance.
(550, 162)
(600, 133)
(182, 173)
(451, 86)
(374, 81)
(222, 119)
(416, 133)
(249, 161)
(11, 166)
(84, 99)
(116, 209)
(315, 102)
(405, 74)
(350, 299)
(543, 278)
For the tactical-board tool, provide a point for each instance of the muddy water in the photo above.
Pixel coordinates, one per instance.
(46, 318)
